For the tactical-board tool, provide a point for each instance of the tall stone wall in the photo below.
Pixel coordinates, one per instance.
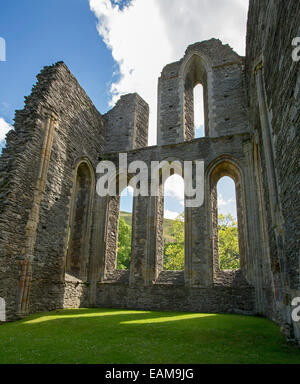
(127, 124)
(221, 72)
(48, 183)
(146, 282)
(56, 200)
(273, 83)
(78, 134)
(18, 174)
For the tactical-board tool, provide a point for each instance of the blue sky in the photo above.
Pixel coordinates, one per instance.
(40, 33)
(110, 47)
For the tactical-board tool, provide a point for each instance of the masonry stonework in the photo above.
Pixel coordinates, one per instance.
(58, 237)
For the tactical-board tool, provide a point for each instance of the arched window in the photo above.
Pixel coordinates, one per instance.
(125, 230)
(195, 109)
(79, 229)
(228, 232)
(173, 226)
(228, 237)
(198, 111)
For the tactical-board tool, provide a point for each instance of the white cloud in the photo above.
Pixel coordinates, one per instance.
(174, 187)
(222, 202)
(148, 34)
(170, 214)
(226, 207)
(190, 21)
(4, 129)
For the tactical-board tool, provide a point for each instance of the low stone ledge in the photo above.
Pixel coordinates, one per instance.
(117, 277)
(228, 278)
(170, 278)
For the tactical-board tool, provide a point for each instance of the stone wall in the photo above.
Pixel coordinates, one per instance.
(127, 124)
(80, 139)
(53, 222)
(273, 84)
(221, 72)
(199, 278)
(172, 297)
(78, 135)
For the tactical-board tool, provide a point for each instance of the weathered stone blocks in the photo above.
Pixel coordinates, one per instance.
(58, 238)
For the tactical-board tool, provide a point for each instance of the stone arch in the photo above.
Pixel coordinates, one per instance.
(179, 180)
(226, 166)
(176, 164)
(112, 226)
(177, 168)
(79, 232)
(125, 266)
(196, 68)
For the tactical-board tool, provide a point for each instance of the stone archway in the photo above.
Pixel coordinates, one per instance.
(77, 257)
(227, 167)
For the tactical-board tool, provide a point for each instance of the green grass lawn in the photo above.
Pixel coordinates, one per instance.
(123, 336)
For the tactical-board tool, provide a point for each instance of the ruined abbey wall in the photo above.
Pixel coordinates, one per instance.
(58, 236)
(220, 70)
(273, 86)
(78, 134)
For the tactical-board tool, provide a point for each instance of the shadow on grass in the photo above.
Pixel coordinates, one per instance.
(125, 336)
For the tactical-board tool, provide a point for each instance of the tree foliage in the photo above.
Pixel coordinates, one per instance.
(174, 251)
(124, 245)
(228, 243)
